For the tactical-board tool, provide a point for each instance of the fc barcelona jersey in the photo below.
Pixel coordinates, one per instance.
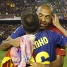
(45, 43)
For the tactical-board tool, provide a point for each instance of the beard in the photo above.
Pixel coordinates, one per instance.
(43, 26)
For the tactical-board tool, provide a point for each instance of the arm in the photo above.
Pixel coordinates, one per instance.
(5, 45)
(61, 29)
(58, 62)
(9, 42)
(58, 25)
(35, 64)
(13, 39)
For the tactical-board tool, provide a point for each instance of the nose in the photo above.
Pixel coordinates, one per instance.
(43, 19)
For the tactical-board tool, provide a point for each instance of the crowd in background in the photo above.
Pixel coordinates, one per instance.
(6, 30)
(15, 7)
(11, 8)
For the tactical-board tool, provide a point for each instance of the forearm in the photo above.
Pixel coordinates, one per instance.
(5, 45)
(58, 25)
(35, 64)
(55, 64)
(58, 62)
(64, 31)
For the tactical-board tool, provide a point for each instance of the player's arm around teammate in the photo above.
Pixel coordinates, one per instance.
(9, 42)
(58, 25)
(56, 62)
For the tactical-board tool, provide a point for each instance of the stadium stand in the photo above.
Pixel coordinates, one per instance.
(10, 12)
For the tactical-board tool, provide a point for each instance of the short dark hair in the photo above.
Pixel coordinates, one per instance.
(29, 20)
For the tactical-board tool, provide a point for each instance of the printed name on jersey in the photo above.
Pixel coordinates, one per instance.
(43, 54)
(40, 42)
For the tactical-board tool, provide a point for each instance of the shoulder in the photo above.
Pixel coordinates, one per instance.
(52, 27)
(46, 32)
(20, 28)
(18, 32)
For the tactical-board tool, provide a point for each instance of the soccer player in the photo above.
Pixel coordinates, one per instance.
(46, 17)
(31, 25)
(45, 41)
(44, 13)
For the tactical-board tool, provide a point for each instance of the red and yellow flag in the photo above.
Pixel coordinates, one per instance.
(7, 62)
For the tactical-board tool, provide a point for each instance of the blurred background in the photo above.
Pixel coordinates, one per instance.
(10, 12)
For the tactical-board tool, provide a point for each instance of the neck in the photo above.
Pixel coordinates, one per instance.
(32, 33)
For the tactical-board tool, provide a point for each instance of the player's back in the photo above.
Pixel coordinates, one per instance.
(45, 43)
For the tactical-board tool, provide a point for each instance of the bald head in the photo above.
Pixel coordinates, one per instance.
(44, 13)
(44, 7)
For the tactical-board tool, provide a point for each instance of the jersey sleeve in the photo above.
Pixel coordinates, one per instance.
(60, 39)
(59, 51)
(18, 32)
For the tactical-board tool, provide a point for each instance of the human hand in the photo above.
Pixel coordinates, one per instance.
(35, 64)
(55, 20)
